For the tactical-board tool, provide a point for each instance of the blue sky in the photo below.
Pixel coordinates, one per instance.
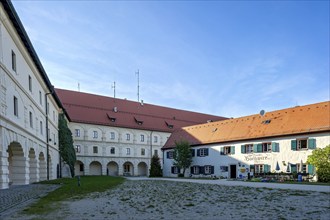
(229, 58)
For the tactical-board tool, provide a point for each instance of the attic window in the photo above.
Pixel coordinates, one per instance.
(139, 122)
(208, 121)
(169, 125)
(112, 119)
(214, 129)
(266, 121)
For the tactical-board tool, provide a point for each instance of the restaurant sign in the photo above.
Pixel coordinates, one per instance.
(257, 157)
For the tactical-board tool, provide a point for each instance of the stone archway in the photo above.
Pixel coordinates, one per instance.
(95, 168)
(112, 169)
(33, 166)
(42, 167)
(79, 168)
(142, 169)
(17, 165)
(128, 169)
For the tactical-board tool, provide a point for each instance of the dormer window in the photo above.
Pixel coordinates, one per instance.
(169, 125)
(112, 119)
(138, 121)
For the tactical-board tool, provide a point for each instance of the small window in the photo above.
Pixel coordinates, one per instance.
(77, 132)
(170, 154)
(40, 97)
(227, 150)
(247, 148)
(95, 149)
(13, 61)
(266, 147)
(155, 152)
(95, 134)
(31, 119)
(202, 152)
(155, 139)
(15, 106)
(224, 168)
(207, 169)
(194, 170)
(41, 129)
(112, 135)
(302, 169)
(53, 115)
(78, 148)
(112, 150)
(302, 144)
(30, 83)
(128, 137)
(175, 170)
(143, 152)
(142, 138)
(128, 151)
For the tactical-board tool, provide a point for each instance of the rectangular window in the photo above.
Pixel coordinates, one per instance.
(128, 151)
(31, 119)
(224, 168)
(194, 170)
(128, 137)
(142, 138)
(30, 83)
(40, 97)
(247, 148)
(302, 169)
(81, 167)
(202, 152)
(143, 152)
(266, 147)
(95, 134)
(13, 61)
(207, 169)
(261, 168)
(112, 135)
(41, 129)
(155, 139)
(78, 148)
(95, 150)
(170, 154)
(54, 138)
(77, 132)
(155, 152)
(302, 144)
(15, 106)
(112, 150)
(175, 170)
(227, 150)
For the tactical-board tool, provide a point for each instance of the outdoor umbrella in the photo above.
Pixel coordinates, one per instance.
(301, 166)
(288, 168)
(277, 167)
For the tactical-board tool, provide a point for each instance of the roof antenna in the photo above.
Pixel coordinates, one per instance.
(138, 86)
(114, 89)
(78, 87)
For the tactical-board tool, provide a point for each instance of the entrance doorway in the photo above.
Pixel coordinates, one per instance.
(233, 174)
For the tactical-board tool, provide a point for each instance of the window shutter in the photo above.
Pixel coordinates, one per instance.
(212, 169)
(255, 148)
(259, 147)
(293, 168)
(191, 170)
(222, 151)
(293, 144)
(179, 171)
(266, 168)
(167, 154)
(172, 169)
(198, 152)
(243, 149)
(311, 143)
(311, 169)
(192, 152)
(206, 151)
(251, 167)
(232, 149)
(275, 147)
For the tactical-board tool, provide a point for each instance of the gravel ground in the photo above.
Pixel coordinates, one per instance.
(159, 199)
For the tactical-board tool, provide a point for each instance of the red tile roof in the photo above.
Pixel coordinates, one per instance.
(102, 110)
(297, 120)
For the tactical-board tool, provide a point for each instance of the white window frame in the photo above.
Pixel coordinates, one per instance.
(142, 138)
(128, 151)
(128, 137)
(207, 169)
(266, 147)
(195, 170)
(155, 139)
(77, 132)
(202, 152)
(259, 168)
(226, 150)
(299, 144)
(95, 134)
(112, 135)
(248, 148)
(171, 154)
(78, 148)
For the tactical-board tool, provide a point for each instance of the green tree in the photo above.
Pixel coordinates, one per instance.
(66, 148)
(155, 167)
(320, 159)
(182, 155)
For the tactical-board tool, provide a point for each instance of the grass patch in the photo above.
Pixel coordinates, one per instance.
(69, 189)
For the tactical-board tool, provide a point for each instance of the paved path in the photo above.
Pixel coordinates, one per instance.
(19, 196)
(318, 188)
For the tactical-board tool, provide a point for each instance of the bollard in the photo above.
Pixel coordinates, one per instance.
(78, 177)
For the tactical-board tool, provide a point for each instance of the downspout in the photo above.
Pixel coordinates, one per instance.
(150, 147)
(47, 133)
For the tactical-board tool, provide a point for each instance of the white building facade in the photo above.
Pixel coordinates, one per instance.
(254, 145)
(26, 131)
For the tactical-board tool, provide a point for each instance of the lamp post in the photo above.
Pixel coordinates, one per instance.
(47, 131)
